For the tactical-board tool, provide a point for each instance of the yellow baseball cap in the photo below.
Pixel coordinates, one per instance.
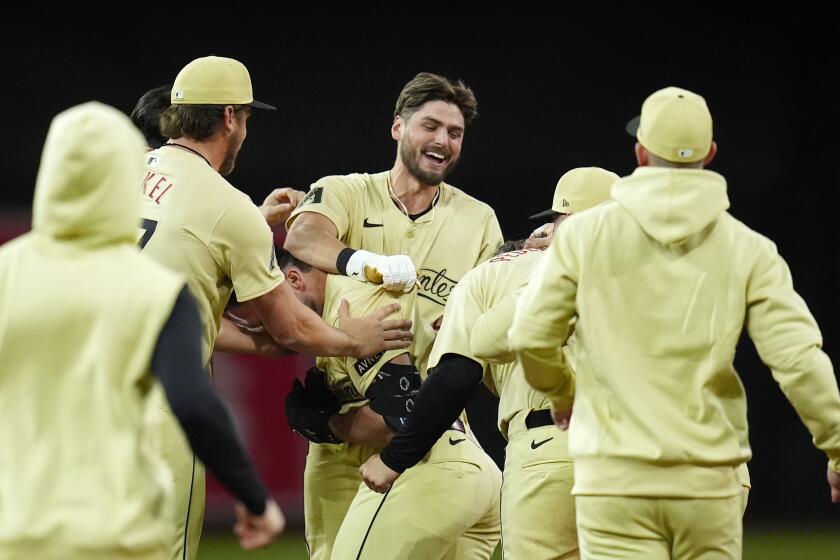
(215, 80)
(675, 125)
(580, 189)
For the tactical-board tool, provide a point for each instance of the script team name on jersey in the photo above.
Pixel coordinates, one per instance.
(434, 285)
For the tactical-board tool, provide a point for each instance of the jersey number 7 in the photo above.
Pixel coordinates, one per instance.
(148, 229)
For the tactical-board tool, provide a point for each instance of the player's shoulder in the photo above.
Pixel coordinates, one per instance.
(363, 297)
(352, 181)
(751, 242)
(451, 195)
(497, 269)
(519, 257)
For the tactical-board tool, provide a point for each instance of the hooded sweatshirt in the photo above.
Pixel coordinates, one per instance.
(662, 281)
(80, 313)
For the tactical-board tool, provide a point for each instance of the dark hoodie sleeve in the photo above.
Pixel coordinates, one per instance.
(205, 419)
(442, 397)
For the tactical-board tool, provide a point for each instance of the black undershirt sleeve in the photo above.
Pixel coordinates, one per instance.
(203, 416)
(443, 396)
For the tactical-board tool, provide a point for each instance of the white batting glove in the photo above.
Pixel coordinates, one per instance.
(395, 272)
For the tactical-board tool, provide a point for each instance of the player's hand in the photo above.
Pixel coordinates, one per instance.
(396, 272)
(834, 483)
(561, 418)
(257, 531)
(540, 237)
(278, 205)
(373, 333)
(377, 475)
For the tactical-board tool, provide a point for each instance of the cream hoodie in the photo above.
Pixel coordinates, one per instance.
(80, 314)
(662, 281)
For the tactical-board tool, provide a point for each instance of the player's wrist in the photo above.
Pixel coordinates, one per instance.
(352, 262)
(393, 462)
(342, 260)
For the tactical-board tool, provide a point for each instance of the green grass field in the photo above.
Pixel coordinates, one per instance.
(764, 544)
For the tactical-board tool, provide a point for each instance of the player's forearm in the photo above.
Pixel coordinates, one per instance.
(313, 245)
(811, 387)
(541, 325)
(293, 325)
(237, 340)
(442, 397)
(545, 366)
(547, 370)
(361, 426)
(177, 363)
(489, 340)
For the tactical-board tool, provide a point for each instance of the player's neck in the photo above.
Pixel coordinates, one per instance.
(414, 195)
(212, 149)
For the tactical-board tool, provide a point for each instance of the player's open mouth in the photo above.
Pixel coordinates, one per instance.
(434, 157)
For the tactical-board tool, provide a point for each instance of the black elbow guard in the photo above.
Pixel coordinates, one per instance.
(393, 392)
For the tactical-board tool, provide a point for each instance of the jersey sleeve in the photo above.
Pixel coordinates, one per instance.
(243, 245)
(492, 239)
(462, 310)
(332, 197)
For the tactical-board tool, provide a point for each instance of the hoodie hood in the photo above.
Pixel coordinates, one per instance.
(88, 181)
(669, 204)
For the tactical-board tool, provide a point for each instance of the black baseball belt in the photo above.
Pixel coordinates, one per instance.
(538, 419)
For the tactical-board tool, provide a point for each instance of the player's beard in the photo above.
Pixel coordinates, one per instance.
(309, 302)
(410, 156)
(229, 163)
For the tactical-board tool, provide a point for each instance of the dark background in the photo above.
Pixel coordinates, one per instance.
(554, 92)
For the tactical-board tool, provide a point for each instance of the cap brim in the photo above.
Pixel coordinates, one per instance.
(260, 105)
(542, 215)
(632, 126)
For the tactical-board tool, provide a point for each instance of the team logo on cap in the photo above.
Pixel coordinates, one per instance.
(565, 203)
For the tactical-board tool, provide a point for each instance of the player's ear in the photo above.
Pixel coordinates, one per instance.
(642, 155)
(711, 155)
(397, 127)
(228, 117)
(294, 277)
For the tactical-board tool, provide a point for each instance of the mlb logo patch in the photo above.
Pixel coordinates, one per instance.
(686, 153)
(179, 94)
(152, 161)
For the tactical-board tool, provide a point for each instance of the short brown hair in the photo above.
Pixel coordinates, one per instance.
(431, 87)
(193, 121)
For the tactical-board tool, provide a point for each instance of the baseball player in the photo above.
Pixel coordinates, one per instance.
(401, 227)
(146, 114)
(538, 514)
(195, 222)
(447, 507)
(86, 325)
(662, 280)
